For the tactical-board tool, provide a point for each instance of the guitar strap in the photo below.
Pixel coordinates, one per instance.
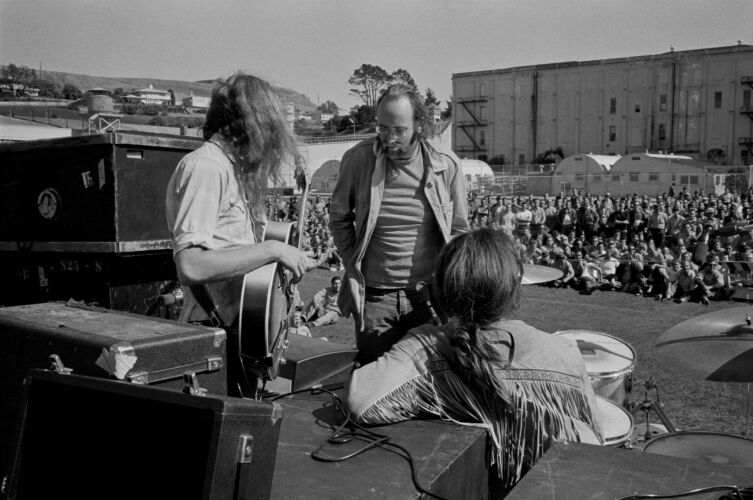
(201, 294)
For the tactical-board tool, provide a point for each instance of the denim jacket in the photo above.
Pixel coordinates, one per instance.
(356, 199)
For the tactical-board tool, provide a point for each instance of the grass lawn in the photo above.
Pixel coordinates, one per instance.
(690, 404)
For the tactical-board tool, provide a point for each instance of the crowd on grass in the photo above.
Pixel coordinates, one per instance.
(679, 245)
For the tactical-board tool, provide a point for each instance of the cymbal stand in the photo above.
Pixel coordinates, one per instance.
(647, 405)
(747, 411)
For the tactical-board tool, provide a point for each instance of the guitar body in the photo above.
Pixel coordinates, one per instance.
(265, 308)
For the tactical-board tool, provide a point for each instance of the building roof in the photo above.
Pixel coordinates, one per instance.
(152, 90)
(619, 60)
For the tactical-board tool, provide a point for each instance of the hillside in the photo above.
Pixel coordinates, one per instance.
(181, 88)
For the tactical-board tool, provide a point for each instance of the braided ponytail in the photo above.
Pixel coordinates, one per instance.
(477, 284)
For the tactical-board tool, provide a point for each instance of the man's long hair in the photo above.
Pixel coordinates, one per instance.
(424, 123)
(476, 284)
(245, 112)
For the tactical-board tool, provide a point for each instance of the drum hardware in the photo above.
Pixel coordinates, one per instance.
(647, 405)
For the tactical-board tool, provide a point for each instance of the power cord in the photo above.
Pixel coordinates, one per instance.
(733, 493)
(341, 436)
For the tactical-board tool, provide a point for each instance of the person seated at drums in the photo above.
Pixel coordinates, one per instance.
(527, 388)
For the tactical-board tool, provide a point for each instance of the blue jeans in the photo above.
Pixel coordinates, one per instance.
(387, 317)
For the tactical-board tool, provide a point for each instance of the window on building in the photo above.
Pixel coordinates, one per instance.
(746, 97)
(693, 179)
(683, 180)
(482, 137)
(579, 177)
(482, 113)
(663, 102)
(521, 159)
(717, 100)
(745, 157)
(616, 178)
(612, 105)
(612, 133)
(578, 158)
(662, 131)
(637, 108)
(596, 177)
(482, 90)
(635, 158)
(653, 176)
(633, 177)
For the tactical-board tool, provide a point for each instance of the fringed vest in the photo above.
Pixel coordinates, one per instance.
(547, 395)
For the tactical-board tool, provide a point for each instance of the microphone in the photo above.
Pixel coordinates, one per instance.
(423, 289)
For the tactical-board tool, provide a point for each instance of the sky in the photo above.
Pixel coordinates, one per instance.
(313, 46)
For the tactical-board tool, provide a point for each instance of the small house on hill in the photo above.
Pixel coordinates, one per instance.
(149, 95)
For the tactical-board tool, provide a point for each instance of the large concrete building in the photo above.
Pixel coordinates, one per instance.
(695, 102)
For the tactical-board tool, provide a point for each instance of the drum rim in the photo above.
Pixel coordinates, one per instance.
(620, 438)
(611, 374)
(686, 433)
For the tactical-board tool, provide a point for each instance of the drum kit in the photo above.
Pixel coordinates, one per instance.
(716, 347)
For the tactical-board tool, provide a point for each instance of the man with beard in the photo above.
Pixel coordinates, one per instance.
(397, 202)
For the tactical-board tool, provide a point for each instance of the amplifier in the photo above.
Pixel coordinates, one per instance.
(124, 282)
(311, 361)
(89, 438)
(99, 193)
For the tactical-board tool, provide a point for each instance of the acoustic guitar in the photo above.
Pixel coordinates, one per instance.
(268, 302)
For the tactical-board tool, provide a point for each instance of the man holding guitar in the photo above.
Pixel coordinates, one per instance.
(215, 201)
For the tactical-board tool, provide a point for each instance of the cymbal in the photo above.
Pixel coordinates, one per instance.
(716, 346)
(534, 274)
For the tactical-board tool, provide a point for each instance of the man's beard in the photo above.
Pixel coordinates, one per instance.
(395, 151)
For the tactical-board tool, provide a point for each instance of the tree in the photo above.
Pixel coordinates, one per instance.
(118, 94)
(552, 155)
(447, 113)
(363, 115)
(46, 88)
(369, 81)
(19, 77)
(402, 77)
(329, 107)
(431, 98)
(72, 92)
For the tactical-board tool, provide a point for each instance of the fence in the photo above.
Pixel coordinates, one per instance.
(518, 181)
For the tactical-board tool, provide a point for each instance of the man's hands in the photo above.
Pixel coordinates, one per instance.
(293, 259)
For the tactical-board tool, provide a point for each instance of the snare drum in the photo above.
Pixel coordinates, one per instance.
(715, 447)
(616, 423)
(609, 362)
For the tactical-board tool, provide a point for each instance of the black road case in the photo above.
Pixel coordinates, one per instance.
(89, 438)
